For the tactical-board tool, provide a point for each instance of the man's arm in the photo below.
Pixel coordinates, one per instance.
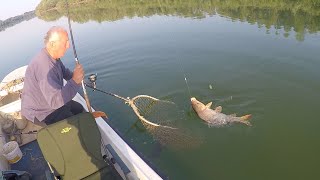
(67, 73)
(55, 94)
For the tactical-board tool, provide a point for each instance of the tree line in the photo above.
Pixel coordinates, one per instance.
(12, 21)
(300, 16)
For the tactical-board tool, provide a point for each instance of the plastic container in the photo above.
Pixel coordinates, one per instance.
(4, 165)
(12, 152)
(21, 123)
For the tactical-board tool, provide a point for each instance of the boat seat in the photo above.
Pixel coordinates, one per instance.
(73, 148)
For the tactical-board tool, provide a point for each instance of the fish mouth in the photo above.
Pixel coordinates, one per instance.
(193, 99)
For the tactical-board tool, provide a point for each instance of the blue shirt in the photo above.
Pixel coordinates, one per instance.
(43, 90)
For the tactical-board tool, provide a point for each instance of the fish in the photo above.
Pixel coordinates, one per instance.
(215, 117)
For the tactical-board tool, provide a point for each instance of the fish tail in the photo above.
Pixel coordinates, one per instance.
(246, 117)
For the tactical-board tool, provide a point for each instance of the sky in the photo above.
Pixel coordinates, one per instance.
(10, 8)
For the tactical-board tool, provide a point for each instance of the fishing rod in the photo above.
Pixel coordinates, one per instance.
(140, 104)
(77, 61)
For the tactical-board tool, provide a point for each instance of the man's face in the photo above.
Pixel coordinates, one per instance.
(62, 44)
(59, 43)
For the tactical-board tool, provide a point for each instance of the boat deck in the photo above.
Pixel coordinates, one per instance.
(32, 161)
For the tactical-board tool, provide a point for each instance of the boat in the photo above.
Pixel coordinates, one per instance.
(126, 163)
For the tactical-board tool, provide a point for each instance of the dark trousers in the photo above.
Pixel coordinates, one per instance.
(68, 110)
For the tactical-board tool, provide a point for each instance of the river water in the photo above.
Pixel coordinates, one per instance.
(249, 59)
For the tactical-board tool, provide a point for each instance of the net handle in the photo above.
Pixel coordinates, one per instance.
(133, 106)
(127, 100)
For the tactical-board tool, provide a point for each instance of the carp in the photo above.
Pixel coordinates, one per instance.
(216, 117)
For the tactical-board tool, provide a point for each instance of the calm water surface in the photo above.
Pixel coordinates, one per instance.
(268, 70)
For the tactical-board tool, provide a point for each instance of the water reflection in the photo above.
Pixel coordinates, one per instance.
(282, 16)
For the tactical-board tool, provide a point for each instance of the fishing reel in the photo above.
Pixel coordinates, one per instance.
(93, 78)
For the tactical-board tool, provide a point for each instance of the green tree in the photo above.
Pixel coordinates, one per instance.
(302, 16)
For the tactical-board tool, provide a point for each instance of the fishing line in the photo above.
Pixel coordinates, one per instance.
(181, 67)
(184, 75)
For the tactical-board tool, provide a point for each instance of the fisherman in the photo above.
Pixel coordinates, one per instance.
(45, 99)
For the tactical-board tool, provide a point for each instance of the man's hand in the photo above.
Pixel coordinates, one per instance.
(78, 74)
(97, 114)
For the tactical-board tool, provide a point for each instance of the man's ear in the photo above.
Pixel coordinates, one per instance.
(52, 44)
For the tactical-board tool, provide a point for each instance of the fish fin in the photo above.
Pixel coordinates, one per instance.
(209, 105)
(246, 123)
(218, 109)
(246, 117)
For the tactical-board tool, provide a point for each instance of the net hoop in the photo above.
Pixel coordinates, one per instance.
(136, 111)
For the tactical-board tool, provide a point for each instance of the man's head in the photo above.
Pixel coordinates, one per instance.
(56, 42)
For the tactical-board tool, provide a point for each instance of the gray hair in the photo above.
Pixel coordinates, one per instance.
(53, 30)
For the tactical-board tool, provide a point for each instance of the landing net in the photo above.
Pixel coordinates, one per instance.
(161, 118)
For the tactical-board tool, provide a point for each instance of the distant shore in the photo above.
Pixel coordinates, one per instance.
(12, 21)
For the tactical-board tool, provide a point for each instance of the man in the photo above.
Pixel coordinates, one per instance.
(45, 100)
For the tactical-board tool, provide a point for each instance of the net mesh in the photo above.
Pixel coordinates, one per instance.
(154, 112)
(161, 118)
